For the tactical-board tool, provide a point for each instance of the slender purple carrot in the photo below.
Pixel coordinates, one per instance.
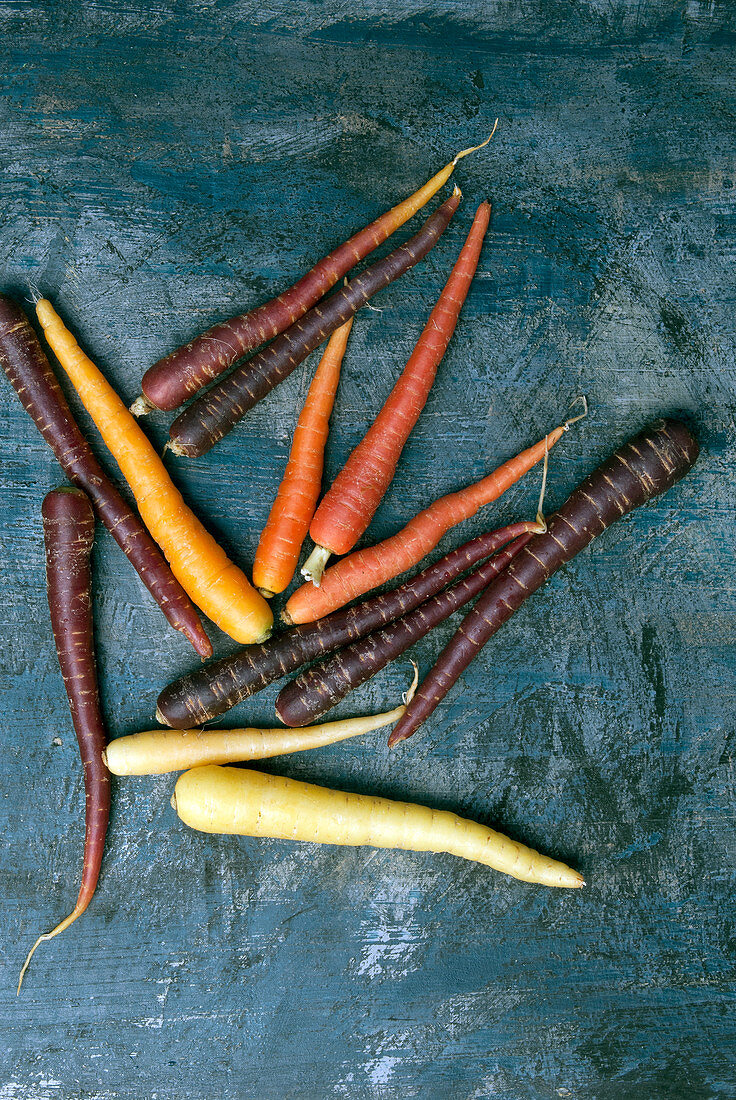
(210, 691)
(30, 374)
(216, 412)
(69, 531)
(643, 468)
(321, 687)
(178, 376)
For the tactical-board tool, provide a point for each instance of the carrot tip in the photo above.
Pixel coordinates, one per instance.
(286, 618)
(475, 148)
(266, 593)
(141, 406)
(314, 566)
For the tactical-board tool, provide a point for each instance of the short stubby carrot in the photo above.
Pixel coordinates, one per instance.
(288, 521)
(350, 503)
(179, 375)
(374, 565)
(203, 569)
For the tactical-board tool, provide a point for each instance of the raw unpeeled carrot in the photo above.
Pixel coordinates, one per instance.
(319, 688)
(155, 752)
(69, 531)
(366, 569)
(350, 503)
(245, 802)
(205, 572)
(179, 375)
(288, 521)
(29, 372)
(212, 689)
(643, 468)
(216, 412)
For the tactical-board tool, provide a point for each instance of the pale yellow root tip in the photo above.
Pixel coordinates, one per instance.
(141, 406)
(580, 400)
(475, 148)
(47, 936)
(314, 566)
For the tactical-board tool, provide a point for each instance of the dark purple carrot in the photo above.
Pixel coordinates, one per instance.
(216, 412)
(28, 370)
(643, 468)
(69, 531)
(321, 687)
(179, 375)
(210, 691)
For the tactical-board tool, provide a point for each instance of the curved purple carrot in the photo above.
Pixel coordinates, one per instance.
(321, 687)
(210, 691)
(216, 412)
(28, 370)
(69, 531)
(643, 468)
(179, 375)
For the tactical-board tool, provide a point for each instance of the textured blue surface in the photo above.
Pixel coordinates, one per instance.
(161, 168)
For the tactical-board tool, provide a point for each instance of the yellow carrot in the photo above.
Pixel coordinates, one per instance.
(244, 802)
(202, 568)
(155, 752)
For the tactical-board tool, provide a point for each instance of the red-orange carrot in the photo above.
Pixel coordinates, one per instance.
(288, 521)
(168, 383)
(366, 569)
(350, 504)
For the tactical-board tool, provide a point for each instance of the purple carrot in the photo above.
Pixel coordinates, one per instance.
(69, 531)
(210, 691)
(28, 370)
(318, 689)
(216, 412)
(643, 468)
(179, 375)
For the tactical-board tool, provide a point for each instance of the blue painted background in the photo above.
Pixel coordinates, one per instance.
(162, 167)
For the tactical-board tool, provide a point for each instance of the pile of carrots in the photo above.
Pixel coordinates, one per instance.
(185, 569)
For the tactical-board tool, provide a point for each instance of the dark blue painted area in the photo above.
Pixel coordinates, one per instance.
(161, 169)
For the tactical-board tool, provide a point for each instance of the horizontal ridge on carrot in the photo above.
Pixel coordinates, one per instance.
(155, 752)
(349, 505)
(203, 569)
(29, 372)
(181, 373)
(208, 419)
(69, 532)
(322, 686)
(213, 689)
(643, 468)
(291, 513)
(245, 802)
(366, 569)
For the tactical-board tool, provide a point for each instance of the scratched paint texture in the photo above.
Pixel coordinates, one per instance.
(164, 166)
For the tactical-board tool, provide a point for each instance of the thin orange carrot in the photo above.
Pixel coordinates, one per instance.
(364, 570)
(292, 510)
(349, 505)
(202, 568)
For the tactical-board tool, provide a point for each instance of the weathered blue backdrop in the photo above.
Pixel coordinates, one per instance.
(164, 166)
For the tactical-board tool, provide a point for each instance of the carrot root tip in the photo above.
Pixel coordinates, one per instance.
(161, 719)
(286, 618)
(141, 406)
(475, 148)
(314, 566)
(266, 593)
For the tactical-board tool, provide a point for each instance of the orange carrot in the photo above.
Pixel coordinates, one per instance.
(364, 570)
(349, 505)
(289, 518)
(202, 568)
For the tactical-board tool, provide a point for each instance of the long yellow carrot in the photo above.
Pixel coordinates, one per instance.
(155, 752)
(202, 568)
(251, 803)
